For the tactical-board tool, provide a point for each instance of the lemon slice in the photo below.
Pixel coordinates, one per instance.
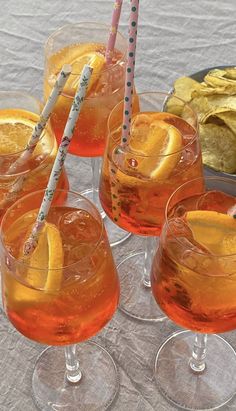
(16, 127)
(215, 231)
(47, 257)
(95, 60)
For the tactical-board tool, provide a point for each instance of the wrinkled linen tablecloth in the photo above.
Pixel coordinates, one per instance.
(175, 38)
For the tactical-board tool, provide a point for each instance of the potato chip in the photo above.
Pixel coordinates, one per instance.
(227, 102)
(218, 147)
(230, 72)
(214, 101)
(183, 89)
(174, 106)
(184, 86)
(201, 107)
(229, 118)
(219, 78)
(218, 104)
(206, 90)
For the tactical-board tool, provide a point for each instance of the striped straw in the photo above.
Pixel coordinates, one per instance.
(44, 116)
(32, 241)
(129, 80)
(113, 30)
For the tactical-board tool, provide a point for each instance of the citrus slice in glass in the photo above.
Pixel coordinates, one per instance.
(200, 276)
(95, 60)
(46, 261)
(154, 151)
(215, 231)
(16, 127)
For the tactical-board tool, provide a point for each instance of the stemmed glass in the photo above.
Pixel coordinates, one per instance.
(62, 294)
(194, 282)
(137, 180)
(75, 44)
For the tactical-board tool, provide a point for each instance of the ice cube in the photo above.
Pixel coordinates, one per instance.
(186, 250)
(217, 201)
(109, 81)
(179, 211)
(78, 252)
(179, 227)
(79, 226)
(116, 76)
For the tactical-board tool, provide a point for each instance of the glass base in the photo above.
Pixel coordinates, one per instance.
(208, 390)
(95, 391)
(136, 300)
(115, 234)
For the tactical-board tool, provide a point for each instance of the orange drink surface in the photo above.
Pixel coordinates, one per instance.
(137, 179)
(68, 288)
(106, 89)
(194, 270)
(16, 126)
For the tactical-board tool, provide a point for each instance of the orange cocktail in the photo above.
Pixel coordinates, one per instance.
(18, 115)
(194, 271)
(61, 294)
(68, 289)
(79, 44)
(137, 179)
(194, 281)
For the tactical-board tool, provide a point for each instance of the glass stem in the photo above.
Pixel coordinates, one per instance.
(96, 168)
(73, 372)
(197, 361)
(150, 248)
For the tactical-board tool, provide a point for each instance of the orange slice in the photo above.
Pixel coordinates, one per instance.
(15, 131)
(16, 127)
(215, 231)
(200, 277)
(48, 259)
(155, 149)
(94, 59)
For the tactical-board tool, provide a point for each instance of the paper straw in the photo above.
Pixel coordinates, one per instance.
(31, 243)
(38, 129)
(127, 111)
(44, 116)
(129, 80)
(113, 30)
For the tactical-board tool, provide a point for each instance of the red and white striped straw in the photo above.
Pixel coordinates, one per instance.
(113, 30)
(129, 80)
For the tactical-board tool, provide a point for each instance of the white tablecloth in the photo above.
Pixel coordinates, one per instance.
(174, 38)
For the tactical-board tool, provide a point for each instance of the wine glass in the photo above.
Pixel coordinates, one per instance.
(77, 44)
(19, 113)
(62, 294)
(137, 180)
(194, 281)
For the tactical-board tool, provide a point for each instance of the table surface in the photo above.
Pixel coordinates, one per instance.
(175, 39)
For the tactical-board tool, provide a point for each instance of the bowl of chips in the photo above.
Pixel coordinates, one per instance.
(212, 95)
